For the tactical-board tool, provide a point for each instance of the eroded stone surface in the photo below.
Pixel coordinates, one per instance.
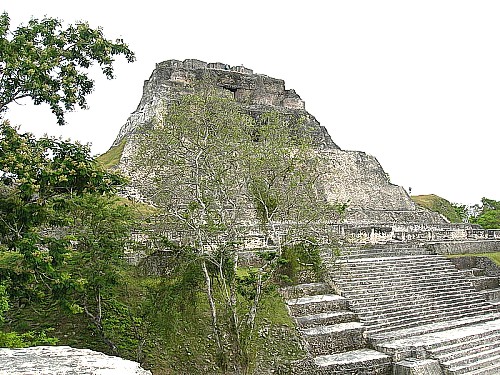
(417, 367)
(59, 360)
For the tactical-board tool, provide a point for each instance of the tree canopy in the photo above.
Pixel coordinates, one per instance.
(217, 175)
(49, 63)
(488, 214)
(62, 231)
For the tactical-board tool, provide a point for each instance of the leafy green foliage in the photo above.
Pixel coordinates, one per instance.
(63, 232)
(179, 317)
(24, 340)
(299, 260)
(488, 215)
(48, 63)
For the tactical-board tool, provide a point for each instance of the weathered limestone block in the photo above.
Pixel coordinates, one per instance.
(413, 366)
(45, 360)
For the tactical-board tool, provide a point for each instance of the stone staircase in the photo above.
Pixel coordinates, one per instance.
(332, 333)
(414, 304)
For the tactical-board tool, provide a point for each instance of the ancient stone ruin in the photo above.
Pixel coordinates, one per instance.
(390, 303)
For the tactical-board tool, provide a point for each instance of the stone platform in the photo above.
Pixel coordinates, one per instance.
(64, 360)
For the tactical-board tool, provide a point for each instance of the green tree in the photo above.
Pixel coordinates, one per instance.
(217, 175)
(462, 212)
(488, 214)
(61, 228)
(49, 63)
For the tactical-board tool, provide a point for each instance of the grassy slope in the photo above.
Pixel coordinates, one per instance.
(111, 158)
(437, 204)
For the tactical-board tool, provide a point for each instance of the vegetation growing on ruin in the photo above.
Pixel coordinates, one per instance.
(64, 235)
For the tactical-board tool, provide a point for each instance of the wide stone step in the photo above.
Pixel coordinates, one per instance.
(381, 302)
(400, 292)
(391, 261)
(361, 361)
(482, 363)
(391, 277)
(302, 290)
(412, 293)
(316, 304)
(399, 258)
(359, 269)
(388, 311)
(408, 316)
(415, 275)
(352, 272)
(421, 315)
(492, 369)
(393, 292)
(469, 358)
(401, 278)
(463, 349)
(431, 328)
(444, 342)
(437, 337)
(394, 275)
(404, 324)
(327, 318)
(334, 338)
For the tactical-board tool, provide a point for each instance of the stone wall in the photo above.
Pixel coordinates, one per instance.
(466, 262)
(464, 247)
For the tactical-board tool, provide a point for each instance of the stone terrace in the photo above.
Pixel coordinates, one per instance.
(415, 305)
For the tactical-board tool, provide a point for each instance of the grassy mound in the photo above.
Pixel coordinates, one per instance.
(439, 205)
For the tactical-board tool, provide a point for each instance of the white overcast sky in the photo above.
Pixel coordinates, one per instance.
(414, 83)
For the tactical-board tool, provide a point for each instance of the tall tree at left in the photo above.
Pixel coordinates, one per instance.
(49, 63)
(62, 228)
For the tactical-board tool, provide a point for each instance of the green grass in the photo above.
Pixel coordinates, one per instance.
(112, 157)
(439, 205)
(495, 257)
